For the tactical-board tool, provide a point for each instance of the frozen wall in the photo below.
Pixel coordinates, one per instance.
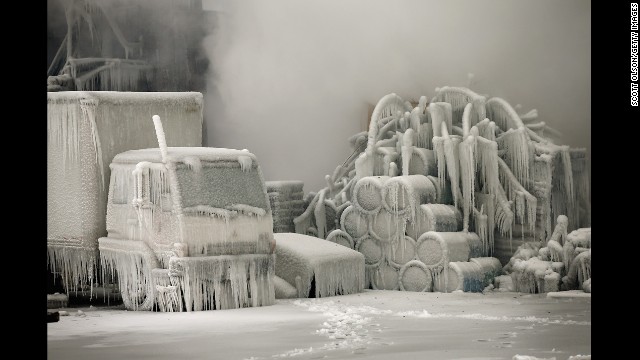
(291, 80)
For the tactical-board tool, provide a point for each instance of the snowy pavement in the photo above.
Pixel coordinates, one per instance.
(374, 324)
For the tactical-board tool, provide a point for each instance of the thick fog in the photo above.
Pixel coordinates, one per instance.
(291, 80)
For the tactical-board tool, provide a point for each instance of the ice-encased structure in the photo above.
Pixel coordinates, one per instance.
(563, 264)
(189, 227)
(86, 129)
(318, 268)
(460, 164)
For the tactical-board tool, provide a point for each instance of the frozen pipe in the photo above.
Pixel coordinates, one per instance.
(415, 119)
(435, 217)
(387, 155)
(347, 186)
(530, 116)
(437, 118)
(537, 126)
(304, 220)
(320, 213)
(560, 231)
(388, 101)
(415, 276)
(330, 184)
(466, 120)
(499, 111)
(456, 130)
(422, 104)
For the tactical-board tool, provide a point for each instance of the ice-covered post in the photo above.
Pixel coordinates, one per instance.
(162, 141)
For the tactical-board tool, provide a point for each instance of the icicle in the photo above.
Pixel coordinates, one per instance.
(504, 215)
(194, 164)
(480, 222)
(568, 179)
(225, 282)
(438, 148)
(453, 163)
(76, 266)
(516, 144)
(486, 202)
(467, 175)
(245, 162)
(487, 159)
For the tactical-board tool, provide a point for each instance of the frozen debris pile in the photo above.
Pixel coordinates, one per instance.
(563, 264)
(86, 129)
(432, 185)
(188, 228)
(286, 201)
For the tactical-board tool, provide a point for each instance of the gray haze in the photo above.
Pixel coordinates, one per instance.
(291, 80)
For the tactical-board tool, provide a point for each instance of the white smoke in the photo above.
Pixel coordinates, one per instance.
(291, 80)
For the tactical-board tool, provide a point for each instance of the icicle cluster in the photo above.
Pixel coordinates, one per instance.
(225, 282)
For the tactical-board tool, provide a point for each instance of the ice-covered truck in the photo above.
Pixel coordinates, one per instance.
(188, 228)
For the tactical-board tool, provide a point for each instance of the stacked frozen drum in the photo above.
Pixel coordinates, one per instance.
(409, 241)
(286, 201)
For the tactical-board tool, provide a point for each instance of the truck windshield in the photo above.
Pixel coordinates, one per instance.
(220, 185)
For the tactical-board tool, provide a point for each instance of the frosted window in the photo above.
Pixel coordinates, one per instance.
(221, 186)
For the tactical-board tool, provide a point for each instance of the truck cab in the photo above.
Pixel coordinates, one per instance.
(189, 228)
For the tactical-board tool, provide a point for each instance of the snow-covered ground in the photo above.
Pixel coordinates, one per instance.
(375, 324)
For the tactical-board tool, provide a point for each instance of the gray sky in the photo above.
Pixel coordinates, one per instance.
(293, 79)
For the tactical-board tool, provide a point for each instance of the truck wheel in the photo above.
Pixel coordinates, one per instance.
(144, 302)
